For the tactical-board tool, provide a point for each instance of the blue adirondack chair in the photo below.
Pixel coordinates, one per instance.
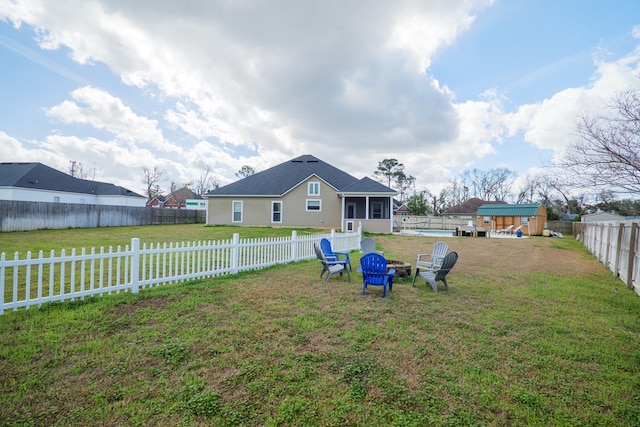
(374, 273)
(331, 255)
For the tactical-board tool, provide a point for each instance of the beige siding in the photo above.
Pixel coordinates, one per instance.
(374, 225)
(257, 210)
(535, 227)
(219, 211)
(294, 206)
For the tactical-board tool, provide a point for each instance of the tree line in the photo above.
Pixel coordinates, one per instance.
(600, 171)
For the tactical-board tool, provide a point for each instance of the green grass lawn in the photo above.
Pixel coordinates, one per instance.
(279, 347)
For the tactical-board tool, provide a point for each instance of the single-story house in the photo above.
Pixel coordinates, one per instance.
(36, 182)
(532, 216)
(468, 208)
(303, 192)
(602, 216)
(176, 200)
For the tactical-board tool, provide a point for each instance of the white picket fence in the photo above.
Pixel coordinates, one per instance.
(35, 281)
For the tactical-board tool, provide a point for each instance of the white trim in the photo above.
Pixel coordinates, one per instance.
(233, 212)
(273, 203)
(313, 210)
(311, 187)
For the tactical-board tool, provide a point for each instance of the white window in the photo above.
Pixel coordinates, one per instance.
(314, 205)
(276, 211)
(524, 220)
(237, 211)
(486, 219)
(313, 189)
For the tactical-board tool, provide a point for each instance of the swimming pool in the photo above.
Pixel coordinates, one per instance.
(433, 233)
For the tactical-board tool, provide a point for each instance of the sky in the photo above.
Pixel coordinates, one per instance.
(442, 86)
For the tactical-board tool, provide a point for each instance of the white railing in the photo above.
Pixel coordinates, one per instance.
(38, 280)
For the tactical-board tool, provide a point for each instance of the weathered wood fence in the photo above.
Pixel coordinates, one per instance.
(16, 215)
(616, 245)
(29, 281)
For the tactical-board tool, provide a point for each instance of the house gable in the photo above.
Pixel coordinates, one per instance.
(279, 179)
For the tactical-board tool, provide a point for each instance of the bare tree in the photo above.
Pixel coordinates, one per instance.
(529, 190)
(79, 170)
(205, 182)
(607, 153)
(245, 171)
(456, 192)
(494, 184)
(152, 179)
(549, 189)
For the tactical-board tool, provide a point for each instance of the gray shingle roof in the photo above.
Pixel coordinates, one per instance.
(42, 177)
(470, 206)
(279, 179)
(367, 185)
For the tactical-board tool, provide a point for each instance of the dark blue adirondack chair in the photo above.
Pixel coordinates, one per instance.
(374, 273)
(331, 255)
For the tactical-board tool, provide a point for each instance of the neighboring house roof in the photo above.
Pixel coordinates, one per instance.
(602, 216)
(182, 194)
(470, 206)
(280, 179)
(38, 176)
(403, 208)
(529, 209)
(568, 217)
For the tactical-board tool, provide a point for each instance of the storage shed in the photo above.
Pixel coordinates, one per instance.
(532, 217)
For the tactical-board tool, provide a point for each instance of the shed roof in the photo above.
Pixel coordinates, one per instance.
(529, 209)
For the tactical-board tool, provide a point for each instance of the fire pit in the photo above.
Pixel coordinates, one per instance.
(403, 269)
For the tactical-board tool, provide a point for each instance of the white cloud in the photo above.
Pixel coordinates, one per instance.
(253, 83)
(551, 124)
(103, 111)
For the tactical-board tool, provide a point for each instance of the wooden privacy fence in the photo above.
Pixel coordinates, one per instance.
(615, 244)
(17, 215)
(33, 281)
